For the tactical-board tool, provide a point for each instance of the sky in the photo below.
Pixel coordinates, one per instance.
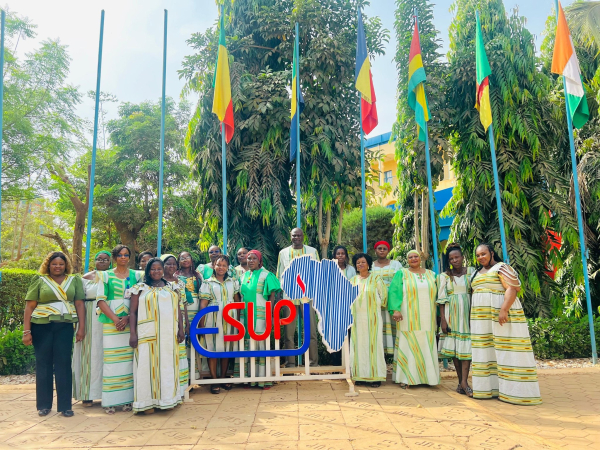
(133, 43)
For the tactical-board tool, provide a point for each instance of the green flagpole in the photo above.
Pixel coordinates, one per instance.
(162, 141)
(580, 224)
(88, 240)
(298, 193)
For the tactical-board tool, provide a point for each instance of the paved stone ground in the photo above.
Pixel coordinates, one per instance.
(318, 416)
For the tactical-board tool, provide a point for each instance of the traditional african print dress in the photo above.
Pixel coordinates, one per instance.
(219, 294)
(184, 368)
(454, 294)
(117, 369)
(239, 271)
(389, 326)
(503, 361)
(206, 271)
(255, 288)
(88, 354)
(366, 348)
(191, 291)
(156, 358)
(415, 355)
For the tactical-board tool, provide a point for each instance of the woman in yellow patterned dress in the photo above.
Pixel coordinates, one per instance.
(171, 266)
(503, 361)
(156, 332)
(386, 269)
(117, 371)
(367, 357)
(412, 297)
(454, 299)
(219, 290)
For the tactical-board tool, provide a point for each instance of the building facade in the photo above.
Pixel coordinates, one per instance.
(385, 189)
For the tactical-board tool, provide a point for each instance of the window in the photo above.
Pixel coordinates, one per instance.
(387, 177)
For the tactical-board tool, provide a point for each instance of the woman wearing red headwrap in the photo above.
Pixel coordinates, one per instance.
(386, 269)
(257, 287)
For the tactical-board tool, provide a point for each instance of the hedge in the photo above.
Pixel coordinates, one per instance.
(562, 337)
(13, 288)
(15, 358)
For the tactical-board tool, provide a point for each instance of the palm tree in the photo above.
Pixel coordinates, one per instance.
(584, 22)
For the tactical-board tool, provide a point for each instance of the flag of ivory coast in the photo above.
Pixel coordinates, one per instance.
(222, 103)
(565, 63)
(482, 102)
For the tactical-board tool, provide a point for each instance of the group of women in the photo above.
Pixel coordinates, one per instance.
(481, 321)
(130, 340)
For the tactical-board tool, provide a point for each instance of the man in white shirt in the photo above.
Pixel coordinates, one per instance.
(285, 258)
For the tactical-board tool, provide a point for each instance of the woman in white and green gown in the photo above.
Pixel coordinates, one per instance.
(412, 303)
(156, 332)
(367, 358)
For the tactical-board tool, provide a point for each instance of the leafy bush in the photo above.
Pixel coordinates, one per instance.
(379, 227)
(562, 337)
(15, 358)
(13, 289)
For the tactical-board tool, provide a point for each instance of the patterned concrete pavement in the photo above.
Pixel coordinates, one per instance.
(318, 416)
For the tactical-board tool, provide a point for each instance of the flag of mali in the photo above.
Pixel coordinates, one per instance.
(222, 103)
(417, 99)
(364, 80)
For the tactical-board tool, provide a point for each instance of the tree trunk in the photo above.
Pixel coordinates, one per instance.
(323, 237)
(22, 230)
(61, 243)
(14, 242)
(416, 222)
(424, 228)
(128, 238)
(341, 220)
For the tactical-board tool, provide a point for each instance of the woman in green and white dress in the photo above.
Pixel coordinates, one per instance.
(367, 358)
(88, 354)
(503, 361)
(117, 369)
(412, 303)
(171, 266)
(386, 269)
(257, 287)
(219, 290)
(192, 281)
(242, 257)
(454, 299)
(206, 270)
(156, 332)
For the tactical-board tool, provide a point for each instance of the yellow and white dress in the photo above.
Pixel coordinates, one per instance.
(367, 357)
(389, 326)
(156, 358)
(219, 294)
(503, 361)
(415, 355)
(88, 354)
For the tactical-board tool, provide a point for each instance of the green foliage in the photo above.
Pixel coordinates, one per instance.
(13, 289)
(260, 43)
(410, 153)
(379, 227)
(128, 173)
(525, 128)
(562, 337)
(15, 357)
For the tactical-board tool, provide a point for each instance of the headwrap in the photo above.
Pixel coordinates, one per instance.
(106, 252)
(387, 244)
(415, 252)
(257, 254)
(166, 256)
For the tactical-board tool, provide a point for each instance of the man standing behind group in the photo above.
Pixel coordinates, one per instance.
(285, 258)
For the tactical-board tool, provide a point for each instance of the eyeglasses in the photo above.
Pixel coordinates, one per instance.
(102, 260)
(214, 252)
(185, 258)
(123, 256)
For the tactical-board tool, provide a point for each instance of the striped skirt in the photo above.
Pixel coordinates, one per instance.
(457, 343)
(117, 372)
(389, 332)
(503, 361)
(88, 358)
(416, 358)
